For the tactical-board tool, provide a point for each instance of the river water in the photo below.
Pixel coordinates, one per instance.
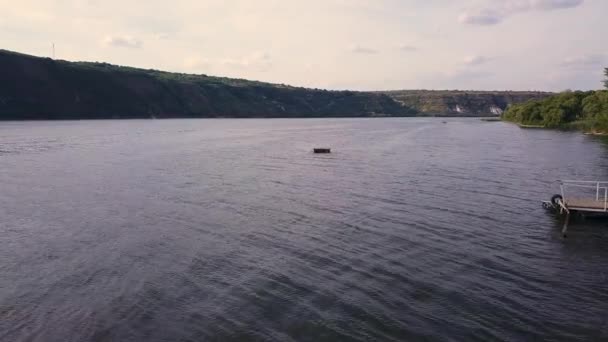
(232, 230)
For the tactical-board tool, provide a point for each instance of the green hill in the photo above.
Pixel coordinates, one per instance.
(43, 88)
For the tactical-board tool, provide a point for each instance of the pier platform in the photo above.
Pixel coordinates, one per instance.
(580, 197)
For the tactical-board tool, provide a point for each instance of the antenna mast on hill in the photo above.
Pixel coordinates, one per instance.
(53, 44)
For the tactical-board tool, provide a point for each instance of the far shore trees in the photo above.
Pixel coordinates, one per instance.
(586, 110)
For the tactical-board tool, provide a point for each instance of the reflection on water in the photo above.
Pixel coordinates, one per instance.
(190, 230)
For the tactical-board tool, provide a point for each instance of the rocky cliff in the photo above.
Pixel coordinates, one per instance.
(462, 103)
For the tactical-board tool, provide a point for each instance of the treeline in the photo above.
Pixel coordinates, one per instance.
(587, 110)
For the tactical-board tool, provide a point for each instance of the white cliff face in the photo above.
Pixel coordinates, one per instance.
(496, 110)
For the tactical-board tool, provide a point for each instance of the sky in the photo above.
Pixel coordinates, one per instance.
(333, 44)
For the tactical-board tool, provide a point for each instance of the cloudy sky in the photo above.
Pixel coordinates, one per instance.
(335, 44)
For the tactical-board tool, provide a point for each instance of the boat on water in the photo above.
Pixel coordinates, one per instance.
(583, 198)
(321, 150)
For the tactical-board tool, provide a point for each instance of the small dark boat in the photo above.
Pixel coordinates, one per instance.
(322, 150)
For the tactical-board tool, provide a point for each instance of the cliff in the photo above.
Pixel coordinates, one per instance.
(463, 103)
(42, 88)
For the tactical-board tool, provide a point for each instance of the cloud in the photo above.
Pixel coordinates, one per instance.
(496, 12)
(363, 50)
(555, 4)
(260, 61)
(462, 78)
(476, 60)
(481, 17)
(195, 62)
(162, 36)
(585, 61)
(469, 75)
(257, 61)
(574, 78)
(407, 48)
(123, 42)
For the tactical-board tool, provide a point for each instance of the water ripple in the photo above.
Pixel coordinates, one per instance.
(232, 230)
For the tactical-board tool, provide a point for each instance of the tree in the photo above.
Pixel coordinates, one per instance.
(606, 81)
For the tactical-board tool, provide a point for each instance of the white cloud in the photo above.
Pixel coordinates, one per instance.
(260, 61)
(257, 61)
(363, 50)
(196, 63)
(586, 61)
(476, 60)
(123, 41)
(555, 4)
(163, 36)
(497, 11)
(407, 48)
(466, 75)
(481, 17)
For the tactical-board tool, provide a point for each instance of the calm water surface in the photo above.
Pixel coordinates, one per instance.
(232, 230)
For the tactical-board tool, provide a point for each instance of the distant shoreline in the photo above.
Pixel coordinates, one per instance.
(560, 128)
(486, 119)
(37, 88)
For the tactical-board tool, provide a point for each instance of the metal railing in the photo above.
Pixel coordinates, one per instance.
(600, 188)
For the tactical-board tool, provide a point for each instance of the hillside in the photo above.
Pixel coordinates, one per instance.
(42, 88)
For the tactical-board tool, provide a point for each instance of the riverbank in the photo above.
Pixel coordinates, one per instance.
(531, 126)
(581, 111)
(585, 127)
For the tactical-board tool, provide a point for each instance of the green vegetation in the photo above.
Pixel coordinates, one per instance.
(587, 111)
(33, 88)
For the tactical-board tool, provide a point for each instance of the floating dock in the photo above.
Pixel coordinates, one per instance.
(321, 150)
(580, 197)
